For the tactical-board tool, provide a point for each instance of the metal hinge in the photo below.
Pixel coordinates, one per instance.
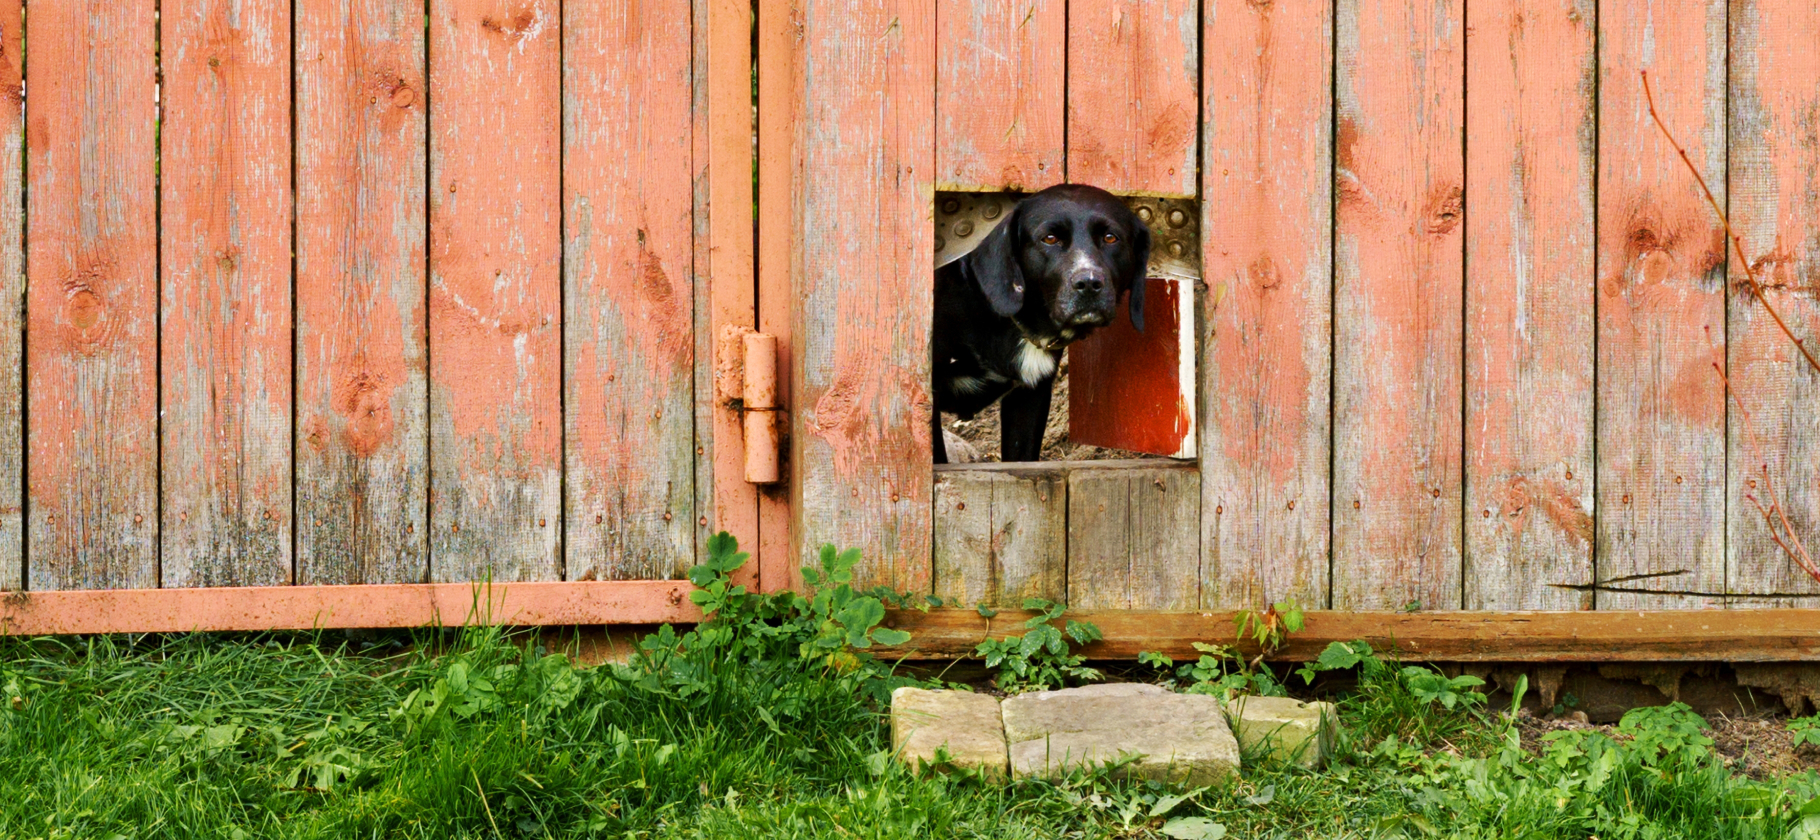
(747, 379)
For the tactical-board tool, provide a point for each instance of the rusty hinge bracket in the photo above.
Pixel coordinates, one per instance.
(747, 381)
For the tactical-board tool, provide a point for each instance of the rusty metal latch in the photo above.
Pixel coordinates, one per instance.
(759, 406)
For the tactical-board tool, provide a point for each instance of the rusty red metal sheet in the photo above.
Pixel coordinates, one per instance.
(1135, 391)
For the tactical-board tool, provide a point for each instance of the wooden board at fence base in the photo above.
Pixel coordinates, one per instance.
(629, 290)
(1529, 303)
(1000, 534)
(1132, 95)
(1000, 88)
(1134, 536)
(91, 333)
(1661, 401)
(1775, 208)
(225, 336)
(12, 297)
(495, 290)
(1616, 636)
(1397, 305)
(1268, 215)
(860, 451)
(362, 428)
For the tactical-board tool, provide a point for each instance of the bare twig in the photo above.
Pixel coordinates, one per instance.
(1750, 274)
(1781, 530)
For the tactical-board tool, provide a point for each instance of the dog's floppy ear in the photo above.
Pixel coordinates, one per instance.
(996, 268)
(1137, 273)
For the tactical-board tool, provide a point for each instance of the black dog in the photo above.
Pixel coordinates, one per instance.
(1046, 276)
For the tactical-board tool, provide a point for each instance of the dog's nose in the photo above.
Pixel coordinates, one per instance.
(1089, 281)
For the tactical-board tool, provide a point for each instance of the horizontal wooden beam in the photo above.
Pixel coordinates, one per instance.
(1660, 636)
(327, 607)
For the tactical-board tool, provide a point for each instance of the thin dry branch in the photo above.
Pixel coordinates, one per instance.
(1781, 530)
(1750, 274)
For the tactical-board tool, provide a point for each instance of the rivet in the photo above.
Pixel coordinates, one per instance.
(963, 229)
(1355, 504)
(1487, 513)
(1437, 492)
(540, 523)
(456, 528)
(1751, 484)
(667, 516)
(703, 522)
(1570, 475)
(451, 186)
(893, 497)
(700, 451)
(611, 377)
(1627, 498)
(50, 520)
(1146, 214)
(990, 211)
(185, 517)
(659, 415)
(1292, 504)
(951, 206)
(1175, 249)
(940, 243)
(1677, 479)
(1177, 218)
(1219, 509)
(137, 518)
(410, 529)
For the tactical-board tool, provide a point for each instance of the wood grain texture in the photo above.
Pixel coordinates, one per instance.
(1397, 305)
(92, 297)
(1267, 196)
(1661, 403)
(780, 148)
(1774, 166)
(1000, 94)
(1134, 536)
(1133, 85)
(362, 428)
(1530, 155)
(495, 290)
(12, 296)
(629, 291)
(1001, 534)
(861, 453)
(1487, 636)
(225, 330)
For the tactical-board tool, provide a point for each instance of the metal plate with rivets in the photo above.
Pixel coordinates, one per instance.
(962, 219)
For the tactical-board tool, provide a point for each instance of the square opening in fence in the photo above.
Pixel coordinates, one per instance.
(1118, 393)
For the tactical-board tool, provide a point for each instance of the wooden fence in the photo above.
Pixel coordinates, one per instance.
(418, 294)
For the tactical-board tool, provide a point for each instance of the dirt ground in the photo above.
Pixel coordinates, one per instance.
(1757, 746)
(983, 430)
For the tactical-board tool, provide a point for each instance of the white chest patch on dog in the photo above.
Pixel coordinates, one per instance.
(1034, 364)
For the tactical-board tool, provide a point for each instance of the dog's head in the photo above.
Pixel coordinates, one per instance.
(1066, 254)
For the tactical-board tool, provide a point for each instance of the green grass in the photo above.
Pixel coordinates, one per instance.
(297, 736)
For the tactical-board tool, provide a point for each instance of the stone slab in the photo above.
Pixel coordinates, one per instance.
(966, 725)
(1283, 729)
(1174, 737)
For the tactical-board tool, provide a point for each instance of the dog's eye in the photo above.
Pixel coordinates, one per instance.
(1111, 238)
(1051, 239)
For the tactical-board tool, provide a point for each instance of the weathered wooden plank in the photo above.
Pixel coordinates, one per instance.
(1267, 198)
(1133, 85)
(495, 290)
(1617, 636)
(861, 452)
(1134, 537)
(999, 94)
(1774, 173)
(1661, 403)
(92, 296)
(1001, 534)
(362, 394)
(629, 291)
(1397, 305)
(1529, 302)
(780, 147)
(225, 333)
(12, 295)
(725, 267)
(266, 608)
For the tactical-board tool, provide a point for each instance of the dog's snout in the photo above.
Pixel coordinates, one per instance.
(1089, 281)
